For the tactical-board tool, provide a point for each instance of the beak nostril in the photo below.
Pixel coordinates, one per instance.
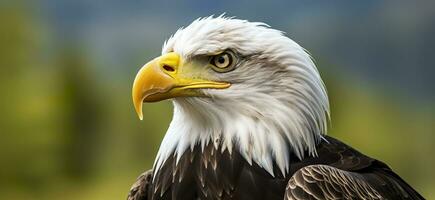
(168, 68)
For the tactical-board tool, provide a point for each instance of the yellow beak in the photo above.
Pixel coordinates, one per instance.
(162, 79)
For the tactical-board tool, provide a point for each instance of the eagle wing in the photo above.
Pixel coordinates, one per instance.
(326, 182)
(139, 190)
(341, 172)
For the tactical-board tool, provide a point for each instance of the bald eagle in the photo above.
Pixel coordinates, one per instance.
(250, 117)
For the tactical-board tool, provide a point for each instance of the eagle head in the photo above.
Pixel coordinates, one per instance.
(240, 85)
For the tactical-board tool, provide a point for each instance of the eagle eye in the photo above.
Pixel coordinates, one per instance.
(223, 62)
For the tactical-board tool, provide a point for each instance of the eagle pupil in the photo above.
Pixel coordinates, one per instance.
(221, 60)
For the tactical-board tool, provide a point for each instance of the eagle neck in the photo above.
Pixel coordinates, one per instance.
(265, 136)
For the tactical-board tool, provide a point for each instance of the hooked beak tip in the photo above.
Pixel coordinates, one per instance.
(138, 108)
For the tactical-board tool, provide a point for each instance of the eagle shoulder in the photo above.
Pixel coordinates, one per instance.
(341, 172)
(326, 182)
(139, 190)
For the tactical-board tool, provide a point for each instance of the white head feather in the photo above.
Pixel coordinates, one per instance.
(277, 101)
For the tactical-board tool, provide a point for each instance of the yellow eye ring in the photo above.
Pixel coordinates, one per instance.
(223, 62)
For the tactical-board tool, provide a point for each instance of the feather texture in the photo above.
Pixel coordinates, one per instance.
(338, 171)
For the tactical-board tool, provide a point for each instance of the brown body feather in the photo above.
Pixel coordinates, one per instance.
(338, 172)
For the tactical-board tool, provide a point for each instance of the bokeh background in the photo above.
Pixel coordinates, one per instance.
(68, 129)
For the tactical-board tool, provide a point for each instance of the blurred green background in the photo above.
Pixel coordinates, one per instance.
(68, 128)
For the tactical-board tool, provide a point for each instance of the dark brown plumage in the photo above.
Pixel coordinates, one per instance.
(338, 172)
